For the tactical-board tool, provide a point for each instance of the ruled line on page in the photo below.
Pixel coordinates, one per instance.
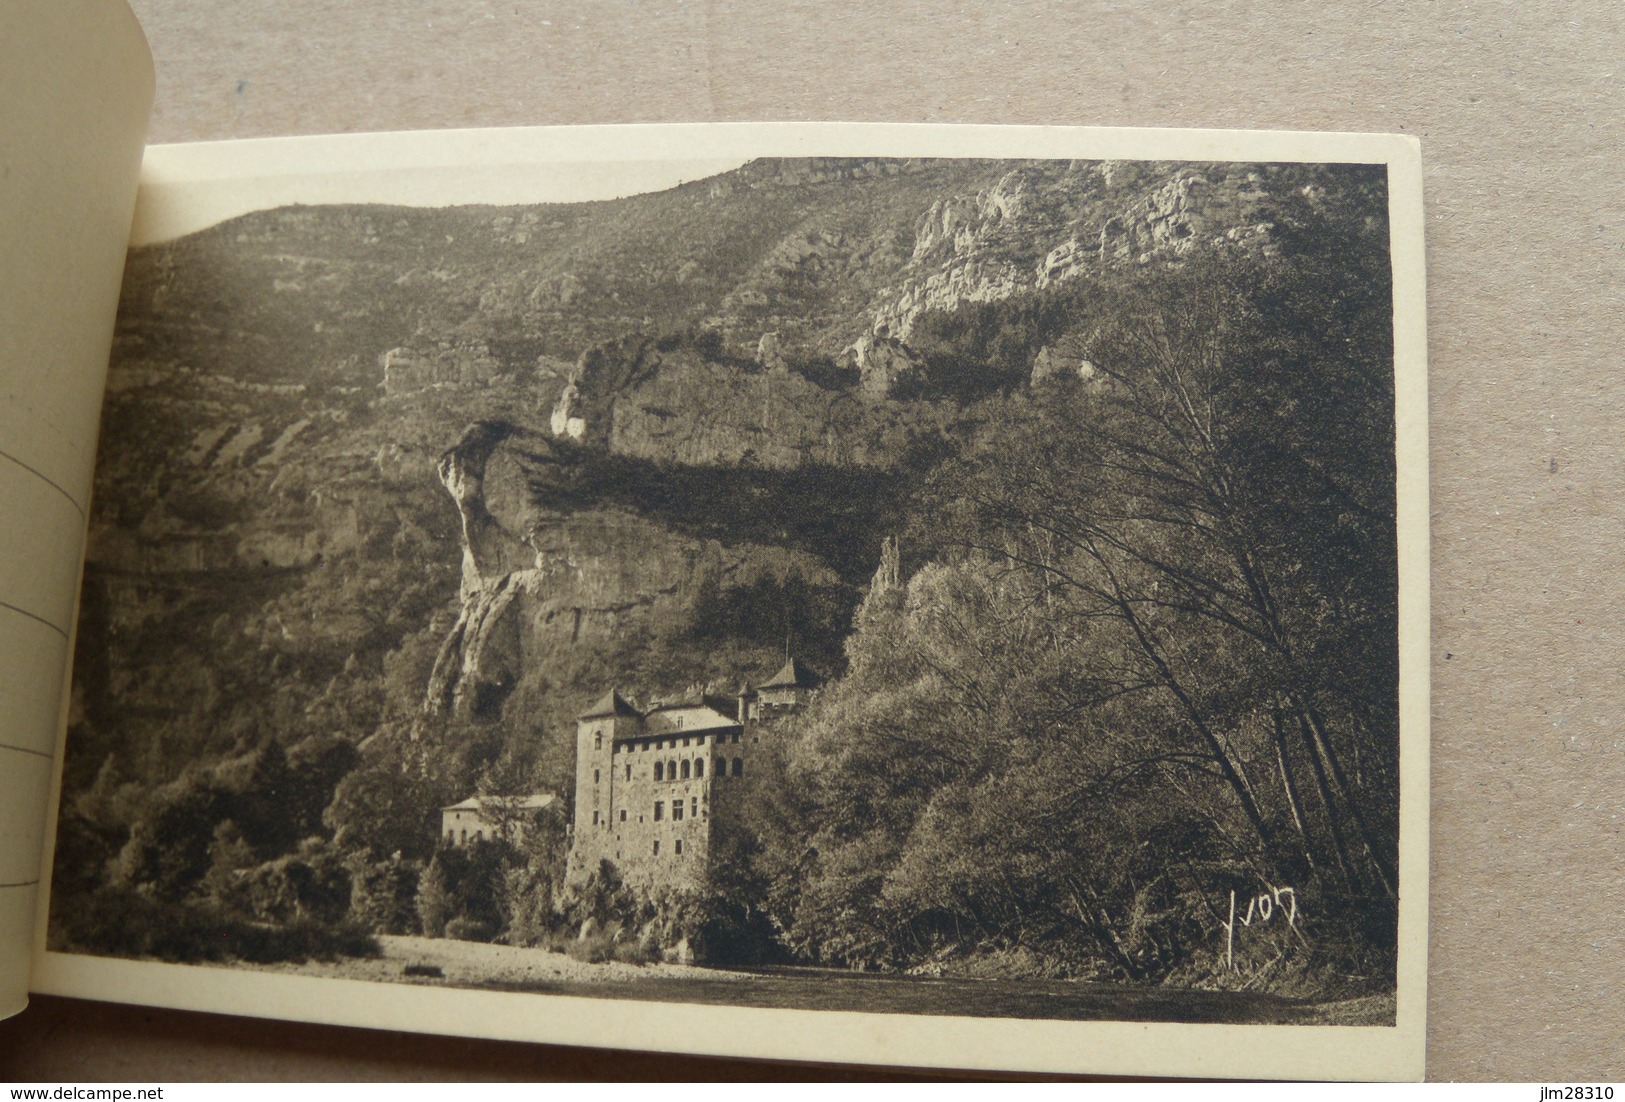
(24, 750)
(80, 509)
(34, 616)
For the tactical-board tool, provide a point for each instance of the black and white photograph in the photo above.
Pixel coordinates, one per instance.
(943, 587)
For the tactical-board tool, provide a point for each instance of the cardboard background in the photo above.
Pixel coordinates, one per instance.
(1522, 125)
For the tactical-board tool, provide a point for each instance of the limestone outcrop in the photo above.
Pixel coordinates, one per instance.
(567, 419)
(443, 362)
(1061, 362)
(882, 361)
(605, 372)
(554, 559)
(770, 353)
(1032, 229)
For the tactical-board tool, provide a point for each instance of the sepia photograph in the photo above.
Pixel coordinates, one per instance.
(929, 586)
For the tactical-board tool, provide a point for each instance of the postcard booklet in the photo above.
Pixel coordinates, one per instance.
(945, 596)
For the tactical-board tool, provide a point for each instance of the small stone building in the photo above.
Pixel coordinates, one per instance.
(481, 818)
(654, 785)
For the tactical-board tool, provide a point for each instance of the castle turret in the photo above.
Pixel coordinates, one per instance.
(787, 690)
(596, 731)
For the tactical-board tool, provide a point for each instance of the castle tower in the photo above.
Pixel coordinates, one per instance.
(787, 690)
(596, 731)
(653, 788)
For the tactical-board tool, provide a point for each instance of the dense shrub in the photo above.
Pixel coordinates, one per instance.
(383, 895)
(463, 928)
(119, 922)
(311, 885)
(599, 948)
(465, 882)
(301, 940)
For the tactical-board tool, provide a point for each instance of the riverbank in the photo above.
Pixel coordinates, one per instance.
(1337, 999)
(802, 988)
(448, 963)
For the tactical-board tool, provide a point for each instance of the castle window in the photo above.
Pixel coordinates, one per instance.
(677, 847)
(671, 770)
(623, 814)
(595, 776)
(734, 737)
(694, 805)
(595, 818)
(660, 770)
(657, 847)
(685, 769)
(739, 767)
(598, 741)
(660, 810)
(465, 837)
(628, 770)
(451, 837)
(699, 767)
(677, 811)
(479, 836)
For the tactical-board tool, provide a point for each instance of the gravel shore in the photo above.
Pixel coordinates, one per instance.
(470, 963)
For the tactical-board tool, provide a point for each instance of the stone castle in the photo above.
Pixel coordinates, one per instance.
(654, 786)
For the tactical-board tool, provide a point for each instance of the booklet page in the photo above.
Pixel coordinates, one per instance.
(81, 75)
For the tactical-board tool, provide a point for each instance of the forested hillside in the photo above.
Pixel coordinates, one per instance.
(1146, 656)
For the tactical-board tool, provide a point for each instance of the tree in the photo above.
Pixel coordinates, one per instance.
(383, 894)
(230, 856)
(384, 806)
(437, 902)
(310, 885)
(1150, 655)
(465, 882)
(1223, 499)
(168, 849)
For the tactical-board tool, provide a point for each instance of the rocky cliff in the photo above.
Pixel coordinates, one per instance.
(539, 582)
(1037, 226)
